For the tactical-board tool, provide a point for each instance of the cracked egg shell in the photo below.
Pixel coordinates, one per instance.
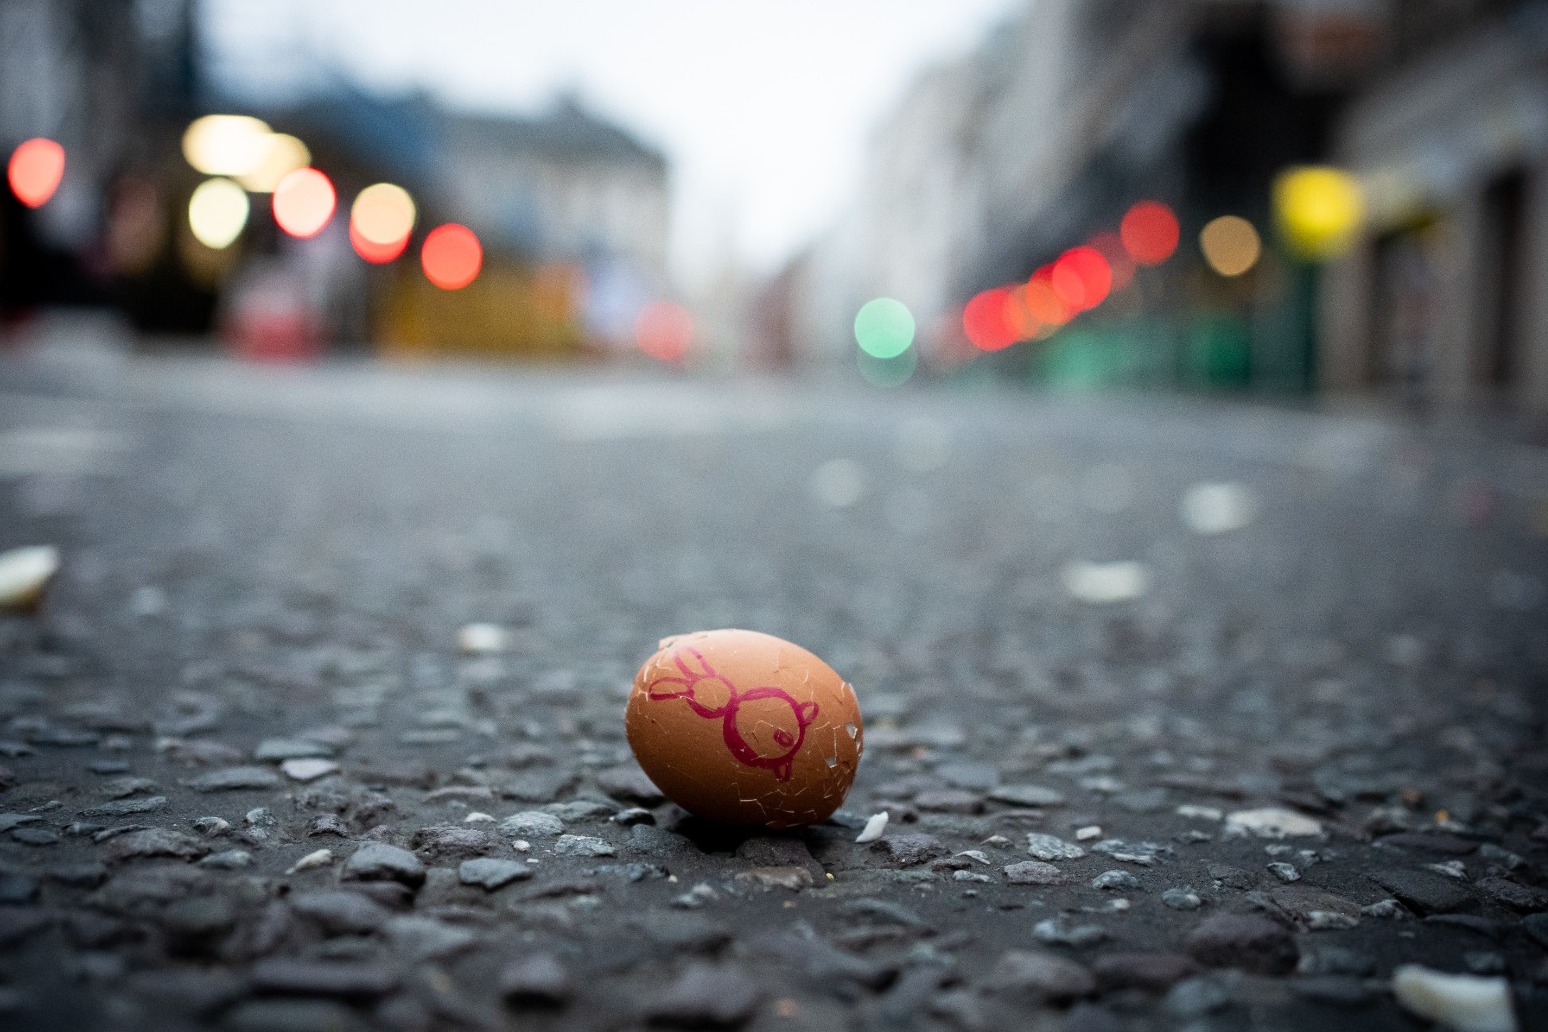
(745, 728)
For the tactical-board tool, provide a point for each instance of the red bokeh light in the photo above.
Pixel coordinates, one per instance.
(451, 256)
(1149, 232)
(985, 320)
(1081, 278)
(371, 251)
(35, 170)
(1110, 246)
(303, 202)
(664, 330)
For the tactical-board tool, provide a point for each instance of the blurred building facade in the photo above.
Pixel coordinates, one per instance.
(1040, 139)
(570, 211)
(573, 211)
(86, 74)
(565, 183)
(579, 209)
(1444, 297)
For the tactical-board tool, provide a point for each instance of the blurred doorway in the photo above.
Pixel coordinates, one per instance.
(1499, 287)
(1406, 311)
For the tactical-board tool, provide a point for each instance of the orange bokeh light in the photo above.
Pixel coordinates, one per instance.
(371, 251)
(35, 170)
(382, 214)
(1119, 264)
(1149, 232)
(304, 202)
(664, 330)
(1081, 278)
(1019, 317)
(986, 320)
(451, 256)
(1044, 302)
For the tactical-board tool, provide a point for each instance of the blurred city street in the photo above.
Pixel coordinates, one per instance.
(1140, 405)
(1186, 713)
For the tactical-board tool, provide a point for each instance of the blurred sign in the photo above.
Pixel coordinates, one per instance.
(1330, 43)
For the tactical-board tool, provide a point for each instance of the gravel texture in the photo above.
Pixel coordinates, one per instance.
(253, 774)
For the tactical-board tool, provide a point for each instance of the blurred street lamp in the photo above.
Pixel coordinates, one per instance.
(34, 171)
(380, 222)
(226, 145)
(1230, 244)
(985, 320)
(1318, 210)
(451, 256)
(304, 202)
(1149, 232)
(217, 211)
(664, 331)
(884, 328)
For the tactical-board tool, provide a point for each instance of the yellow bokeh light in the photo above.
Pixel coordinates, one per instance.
(383, 214)
(226, 145)
(1231, 245)
(217, 211)
(1318, 210)
(282, 155)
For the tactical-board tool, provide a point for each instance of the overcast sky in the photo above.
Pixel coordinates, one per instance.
(762, 105)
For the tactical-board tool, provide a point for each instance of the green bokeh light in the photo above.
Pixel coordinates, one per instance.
(884, 328)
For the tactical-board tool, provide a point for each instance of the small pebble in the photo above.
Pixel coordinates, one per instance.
(229, 860)
(531, 824)
(272, 749)
(1027, 795)
(378, 861)
(1284, 872)
(1105, 583)
(1033, 872)
(211, 826)
(1389, 909)
(1051, 847)
(1181, 899)
(1203, 813)
(483, 639)
(1057, 932)
(1272, 822)
(491, 873)
(308, 769)
(317, 858)
(1450, 868)
(1211, 509)
(582, 845)
(632, 816)
(235, 779)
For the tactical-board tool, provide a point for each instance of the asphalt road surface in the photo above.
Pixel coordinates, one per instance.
(1184, 713)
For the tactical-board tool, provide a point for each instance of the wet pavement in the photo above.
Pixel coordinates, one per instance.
(1183, 714)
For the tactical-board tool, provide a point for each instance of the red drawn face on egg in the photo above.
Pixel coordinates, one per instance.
(745, 728)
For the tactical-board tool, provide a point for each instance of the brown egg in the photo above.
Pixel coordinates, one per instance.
(745, 728)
